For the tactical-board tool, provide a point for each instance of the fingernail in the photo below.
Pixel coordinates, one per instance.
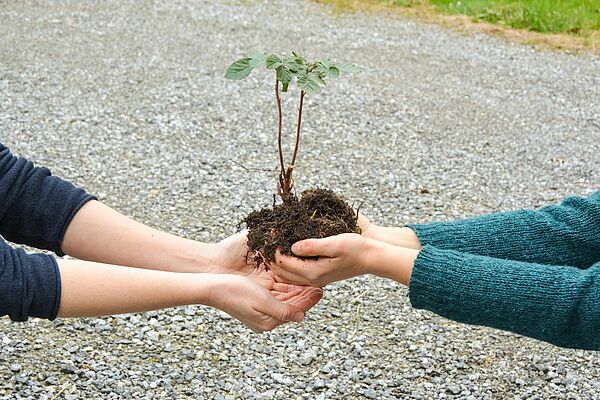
(295, 247)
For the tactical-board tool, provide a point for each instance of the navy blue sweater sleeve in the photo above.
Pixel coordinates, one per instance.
(35, 207)
(29, 284)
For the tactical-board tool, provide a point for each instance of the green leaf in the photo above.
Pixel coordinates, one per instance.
(291, 65)
(298, 59)
(320, 68)
(349, 68)
(314, 76)
(285, 76)
(273, 61)
(239, 70)
(333, 72)
(326, 63)
(309, 85)
(258, 60)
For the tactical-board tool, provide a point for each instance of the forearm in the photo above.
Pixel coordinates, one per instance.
(557, 304)
(565, 234)
(99, 233)
(390, 261)
(94, 289)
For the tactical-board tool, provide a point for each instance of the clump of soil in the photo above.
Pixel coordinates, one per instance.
(318, 213)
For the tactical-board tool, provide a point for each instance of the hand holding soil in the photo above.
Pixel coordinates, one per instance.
(319, 262)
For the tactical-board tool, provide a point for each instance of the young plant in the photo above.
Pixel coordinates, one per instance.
(310, 78)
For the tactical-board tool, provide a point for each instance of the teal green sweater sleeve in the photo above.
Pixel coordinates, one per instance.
(556, 304)
(565, 234)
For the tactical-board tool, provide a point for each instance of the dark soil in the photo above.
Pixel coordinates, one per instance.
(318, 213)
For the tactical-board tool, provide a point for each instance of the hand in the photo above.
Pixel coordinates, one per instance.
(403, 237)
(258, 308)
(231, 259)
(340, 257)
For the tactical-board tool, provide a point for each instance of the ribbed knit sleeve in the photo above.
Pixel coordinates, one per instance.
(35, 207)
(29, 284)
(565, 234)
(556, 304)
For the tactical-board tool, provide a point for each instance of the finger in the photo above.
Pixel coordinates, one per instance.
(284, 275)
(307, 299)
(281, 311)
(285, 287)
(316, 247)
(285, 296)
(303, 272)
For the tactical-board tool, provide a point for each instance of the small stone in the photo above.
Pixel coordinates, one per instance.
(454, 389)
(68, 368)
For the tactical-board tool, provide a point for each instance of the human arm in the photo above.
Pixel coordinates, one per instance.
(563, 234)
(99, 233)
(47, 212)
(557, 304)
(37, 285)
(93, 289)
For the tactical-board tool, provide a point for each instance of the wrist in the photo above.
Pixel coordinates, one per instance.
(373, 249)
(198, 257)
(403, 237)
(208, 287)
(390, 261)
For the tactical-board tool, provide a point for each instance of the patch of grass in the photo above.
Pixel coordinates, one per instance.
(555, 16)
(566, 16)
(572, 25)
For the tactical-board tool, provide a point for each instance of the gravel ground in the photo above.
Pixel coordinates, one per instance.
(127, 100)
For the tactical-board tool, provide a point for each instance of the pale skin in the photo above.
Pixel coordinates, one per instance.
(385, 252)
(168, 271)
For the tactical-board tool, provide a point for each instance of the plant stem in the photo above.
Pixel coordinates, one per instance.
(293, 164)
(279, 134)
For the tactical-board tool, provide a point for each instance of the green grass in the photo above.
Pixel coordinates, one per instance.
(568, 16)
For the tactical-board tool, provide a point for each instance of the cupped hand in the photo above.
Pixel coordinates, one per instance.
(232, 259)
(339, 257)
(249, 302)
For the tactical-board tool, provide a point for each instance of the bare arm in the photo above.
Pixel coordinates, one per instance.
(94, 289)
(99, 233)
(397, 236)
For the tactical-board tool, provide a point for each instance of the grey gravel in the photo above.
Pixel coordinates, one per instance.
(127, 100)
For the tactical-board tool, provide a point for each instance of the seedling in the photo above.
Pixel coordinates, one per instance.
(318, 213)
(310, 77)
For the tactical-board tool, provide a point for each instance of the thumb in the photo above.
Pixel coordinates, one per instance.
(314, 247)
